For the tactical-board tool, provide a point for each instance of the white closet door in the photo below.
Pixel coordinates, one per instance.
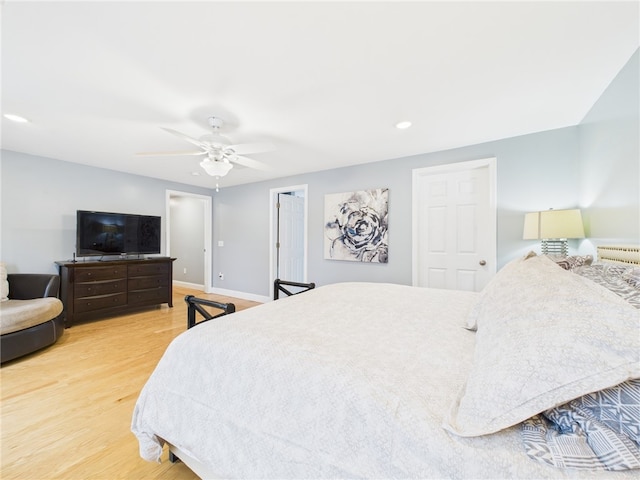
(455, 226)
(291, 226)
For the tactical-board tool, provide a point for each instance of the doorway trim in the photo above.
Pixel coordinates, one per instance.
(208, 281)
(273, 198)
(489, 163)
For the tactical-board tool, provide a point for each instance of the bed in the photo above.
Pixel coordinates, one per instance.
(370, 380)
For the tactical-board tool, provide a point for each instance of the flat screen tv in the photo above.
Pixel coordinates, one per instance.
(105, 233)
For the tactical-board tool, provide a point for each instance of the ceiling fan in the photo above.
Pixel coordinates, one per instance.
(221, 153)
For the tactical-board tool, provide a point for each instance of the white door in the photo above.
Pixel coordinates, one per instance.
(290, 241)
(454, 222)
(288, 234)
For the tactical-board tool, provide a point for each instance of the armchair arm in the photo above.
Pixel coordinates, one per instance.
(25, 286)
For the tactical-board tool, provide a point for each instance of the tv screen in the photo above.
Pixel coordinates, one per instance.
(142, 234)
(105, 233)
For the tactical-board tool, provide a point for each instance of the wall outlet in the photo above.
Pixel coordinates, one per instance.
(221, 276)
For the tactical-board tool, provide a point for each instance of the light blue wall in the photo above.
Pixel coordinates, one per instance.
(609, 139)
(187, 239)
(40, 196)
(535, 172)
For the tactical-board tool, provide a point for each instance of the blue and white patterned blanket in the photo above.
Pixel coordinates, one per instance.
(599, 431)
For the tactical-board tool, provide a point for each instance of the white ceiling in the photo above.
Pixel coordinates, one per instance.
(325, 82)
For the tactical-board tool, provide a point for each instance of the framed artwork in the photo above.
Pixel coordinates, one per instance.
(356, 226)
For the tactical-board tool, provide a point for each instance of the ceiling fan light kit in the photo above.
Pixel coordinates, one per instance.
(216, 168)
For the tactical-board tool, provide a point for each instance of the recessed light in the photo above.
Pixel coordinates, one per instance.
(403, 125)
(15, 118)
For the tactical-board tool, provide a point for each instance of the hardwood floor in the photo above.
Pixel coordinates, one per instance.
(66, 410)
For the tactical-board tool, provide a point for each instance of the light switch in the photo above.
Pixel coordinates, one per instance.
(220, 243)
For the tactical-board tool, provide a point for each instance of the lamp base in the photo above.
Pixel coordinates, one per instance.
(555, 247)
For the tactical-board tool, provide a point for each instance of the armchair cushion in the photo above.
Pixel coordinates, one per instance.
(20, 314)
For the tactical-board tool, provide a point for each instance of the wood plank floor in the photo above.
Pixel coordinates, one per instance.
(66, 410)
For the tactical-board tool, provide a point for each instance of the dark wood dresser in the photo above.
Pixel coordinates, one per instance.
(97, 288)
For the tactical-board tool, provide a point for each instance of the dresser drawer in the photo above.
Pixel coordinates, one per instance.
(139, 283)
(88, 304)
(152, 295)
(100, 273)
(145, 269)
(103, 287)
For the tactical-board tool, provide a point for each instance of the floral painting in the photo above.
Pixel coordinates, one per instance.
(356, 226)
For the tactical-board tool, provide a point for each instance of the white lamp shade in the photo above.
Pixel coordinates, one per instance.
(216, 168)
(531, 226)
(553, 224)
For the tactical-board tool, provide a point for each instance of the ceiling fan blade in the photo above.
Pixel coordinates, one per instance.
(170, 154)
(249, 148)
(187, 138)
(249, 162)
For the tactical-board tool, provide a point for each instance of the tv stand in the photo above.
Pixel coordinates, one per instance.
(89, 289)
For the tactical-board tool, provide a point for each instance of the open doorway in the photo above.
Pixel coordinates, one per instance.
(288, 237)
(189, 238)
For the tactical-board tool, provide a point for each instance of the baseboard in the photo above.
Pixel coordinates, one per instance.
(193, 286)
(227, 293)
(245, 296)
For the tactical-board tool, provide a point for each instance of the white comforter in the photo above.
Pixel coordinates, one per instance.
(350, 380)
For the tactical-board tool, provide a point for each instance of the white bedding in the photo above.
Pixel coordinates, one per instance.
(350, 380)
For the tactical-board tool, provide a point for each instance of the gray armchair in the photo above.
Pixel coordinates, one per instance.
(32, 317)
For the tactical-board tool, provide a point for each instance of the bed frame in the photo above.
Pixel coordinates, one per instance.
(279, 286)
(195, 305)
(201, 470)
(625, 254)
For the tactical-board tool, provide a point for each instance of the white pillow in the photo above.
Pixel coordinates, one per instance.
(4, 284)
(545, 336)
(494, 285)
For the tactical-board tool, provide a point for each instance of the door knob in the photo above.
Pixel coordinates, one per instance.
(483, 263)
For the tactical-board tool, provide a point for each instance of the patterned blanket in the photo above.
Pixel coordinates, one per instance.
(599, 431)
